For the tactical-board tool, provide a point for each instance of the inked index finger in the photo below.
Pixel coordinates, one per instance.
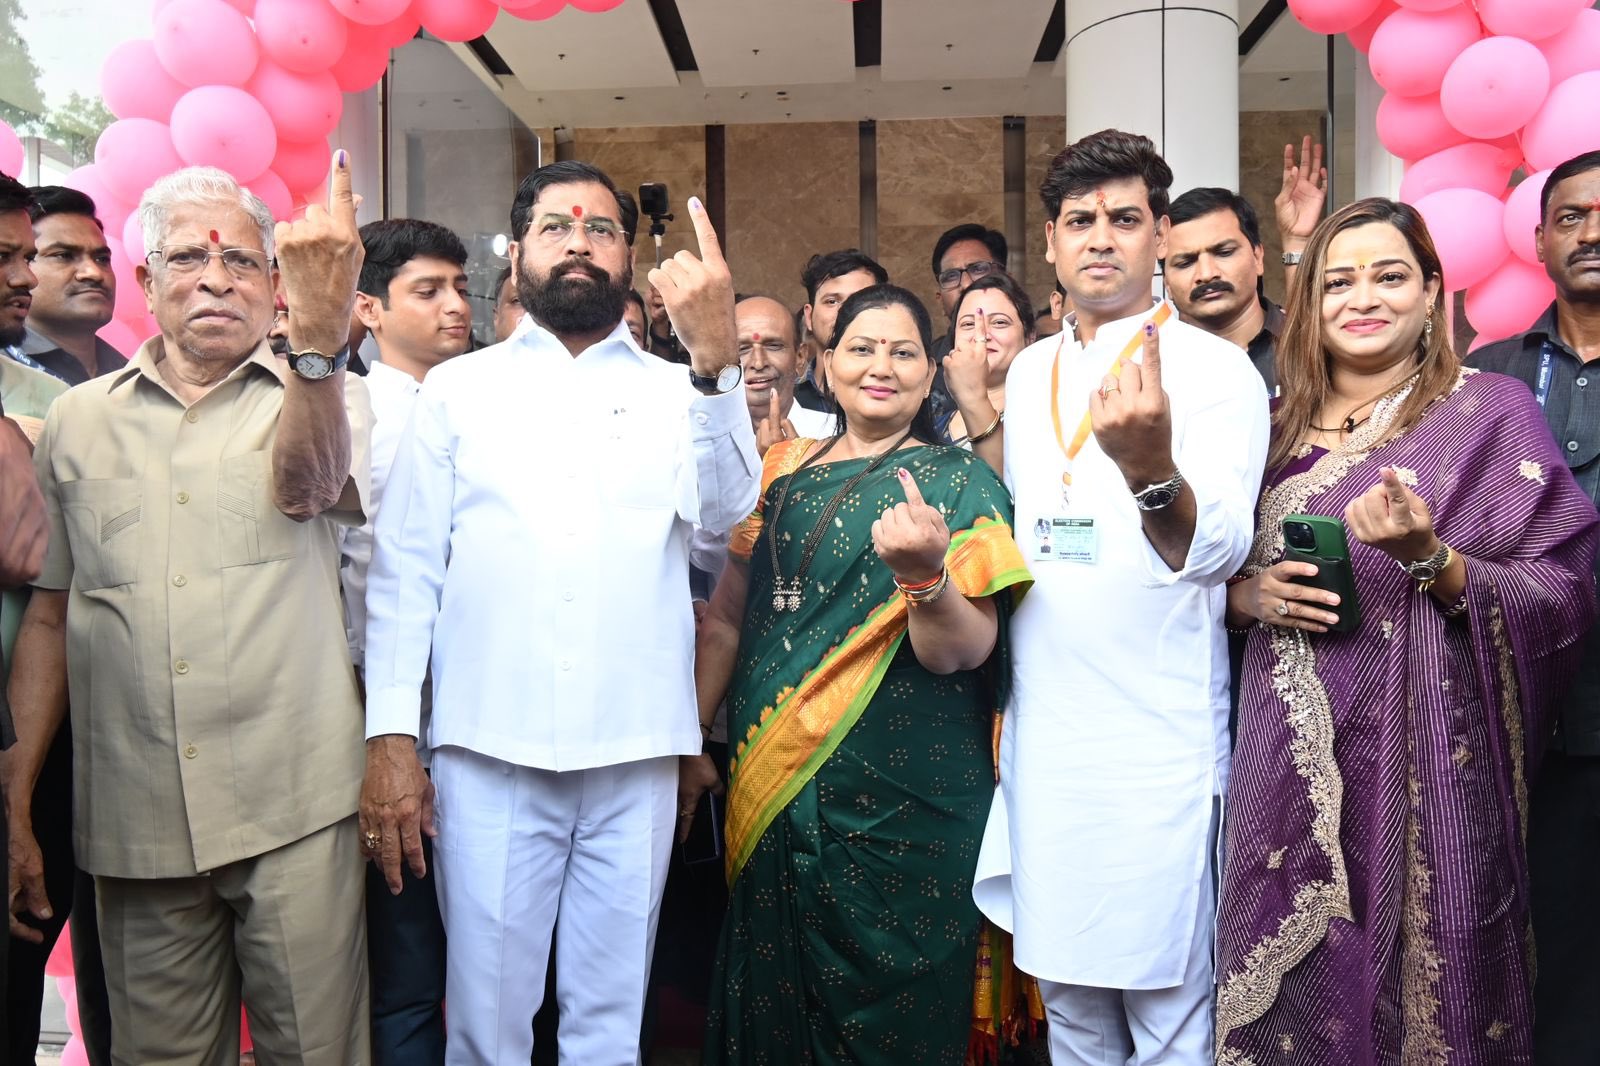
(909, 483)
(1151, 365)
(705, 233)
(773, 411)
(341, 199)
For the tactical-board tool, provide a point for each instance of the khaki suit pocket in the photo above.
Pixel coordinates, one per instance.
(251, 528)
(104, 518)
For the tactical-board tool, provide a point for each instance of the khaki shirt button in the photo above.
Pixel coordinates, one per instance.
(183, 497)
(190, 751)
(181, 666)
(180, 581)
(192, 416)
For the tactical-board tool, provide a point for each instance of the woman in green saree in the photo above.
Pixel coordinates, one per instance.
(859, 635)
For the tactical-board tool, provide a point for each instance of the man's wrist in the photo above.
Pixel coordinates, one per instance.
(1143, 476)
(1294, 243)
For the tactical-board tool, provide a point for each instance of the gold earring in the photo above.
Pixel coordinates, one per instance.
(1427, 329)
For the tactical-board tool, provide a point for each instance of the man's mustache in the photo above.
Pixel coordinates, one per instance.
(1200, 292)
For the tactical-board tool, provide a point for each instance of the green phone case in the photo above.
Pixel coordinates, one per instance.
(1331, 556)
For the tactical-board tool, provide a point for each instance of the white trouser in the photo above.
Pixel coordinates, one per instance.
(516, 848)
(1142, 1027)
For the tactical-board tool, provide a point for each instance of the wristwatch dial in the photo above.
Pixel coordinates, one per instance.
(1162, 494)
(312, 365)
(729, 377)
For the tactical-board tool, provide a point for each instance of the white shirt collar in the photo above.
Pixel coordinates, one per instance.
(1119, 330)
(532, 334)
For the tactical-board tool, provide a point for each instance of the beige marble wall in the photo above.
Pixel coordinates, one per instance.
(934, 174)
(793, 189)
(1262, 135)
(630, 155)
(1046, 136)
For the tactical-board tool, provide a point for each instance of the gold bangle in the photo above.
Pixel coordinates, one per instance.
(986, 434)
(920, 597)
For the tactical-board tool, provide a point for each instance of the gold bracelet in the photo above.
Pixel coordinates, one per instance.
(920, 597)
(986, 434)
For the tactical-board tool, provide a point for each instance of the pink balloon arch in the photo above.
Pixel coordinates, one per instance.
(1477, 91)
(254, 87)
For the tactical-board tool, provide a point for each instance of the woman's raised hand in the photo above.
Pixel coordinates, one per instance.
(911, 538)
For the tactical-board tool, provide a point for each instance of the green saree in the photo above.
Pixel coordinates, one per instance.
(859, 783)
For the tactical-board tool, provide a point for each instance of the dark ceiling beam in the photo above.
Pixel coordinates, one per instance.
(669, 23)
(867, 18)
(1251, 36)
(1055, 35)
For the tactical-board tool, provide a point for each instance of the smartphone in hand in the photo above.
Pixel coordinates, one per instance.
(1320, 541)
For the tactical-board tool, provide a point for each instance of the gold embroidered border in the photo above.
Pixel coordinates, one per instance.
(1422, 1040)
(1510, 710)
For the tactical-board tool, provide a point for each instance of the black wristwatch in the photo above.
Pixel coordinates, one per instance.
(724, 381)
(313, 365)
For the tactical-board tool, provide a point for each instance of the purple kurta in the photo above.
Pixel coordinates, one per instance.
(1374, 903)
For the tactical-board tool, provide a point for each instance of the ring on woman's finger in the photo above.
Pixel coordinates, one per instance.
(1283, 608)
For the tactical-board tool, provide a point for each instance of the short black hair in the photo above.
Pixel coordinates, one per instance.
(993, 240)
(1101, 157)
(629, 209)
(638, 301)
(14, 196)
(59, 200)
(1197, 203)
(826, 265)
(1578, 164)
(562, 172)
(1061, 290)
(391, 243)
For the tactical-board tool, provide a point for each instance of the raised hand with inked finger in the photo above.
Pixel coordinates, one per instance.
(1132, 417)
(319, 262)
(966, 375)
(774, 428)
(911, 537)
(1393, 519)
(697, 292)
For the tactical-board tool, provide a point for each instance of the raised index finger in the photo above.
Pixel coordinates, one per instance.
(773, 411)
(909, 483)
(705, 233)
(341, 200)
(1151, 364)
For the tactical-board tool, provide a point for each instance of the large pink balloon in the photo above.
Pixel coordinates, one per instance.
(273, 192)
(132, 153)
(304, 107)
(371, 12)
(363, 63)
(10, 151)
(205, 42)
(134, 84)
(1575, 49)
(1530, 19)
(302, 164)
(1465, 224)
(396, 33)
(456, 20)
(1360, 37)
(1414, 126)
(220, 126)
(1522, 216)
(1412, 49)
(129, 300)
(111, 209)
(303, 35)
(121, 336)
(133, 239)
(1427, 5)
(1509, 300)
(595, 7)
(1494, 86)
(1318, 16)
(1473, 165)
(1567, 125)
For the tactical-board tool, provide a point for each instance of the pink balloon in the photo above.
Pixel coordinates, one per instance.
(595, 7)
(304, 107)
(135, 85)
(133, 239)
(303, 35)
(1575, 49)
(1412, 49)
(1494, 86)
(1567, 125)
(1531, 20)
(302, 164)
(89, 181)
(1318, 16)
(1509, 300)
(456, 20)
(1414, 126)
(121, 336)
(396, 33)
(536, 11)
(1465, 166)
(271, 189)
(371, 12)
(220, 126)
(1465, 224)
(363, 63)
(1427, 5)
(132, 153)
(1522, 215)
(205, 42)
(1361, 36)
(10, 151)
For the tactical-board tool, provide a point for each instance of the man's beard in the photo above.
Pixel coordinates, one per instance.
(567, 305)
(10, 338)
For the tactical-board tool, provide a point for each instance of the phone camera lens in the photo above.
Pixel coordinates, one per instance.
(1300, 536)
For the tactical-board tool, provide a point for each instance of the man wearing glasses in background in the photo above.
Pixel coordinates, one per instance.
(962, 255)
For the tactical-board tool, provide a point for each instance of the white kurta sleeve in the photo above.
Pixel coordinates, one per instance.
(1222, 454)
(719, 462)
(406, 576)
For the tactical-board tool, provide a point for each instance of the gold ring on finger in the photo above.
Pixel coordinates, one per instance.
(1283, 608)
(374, 840)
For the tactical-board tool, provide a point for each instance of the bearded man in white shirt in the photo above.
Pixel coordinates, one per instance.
(1134, 445)
(544, 562)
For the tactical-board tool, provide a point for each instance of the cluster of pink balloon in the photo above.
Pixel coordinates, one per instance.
(254, 87)
(1475, 92)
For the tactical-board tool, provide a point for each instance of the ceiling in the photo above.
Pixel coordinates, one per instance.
(692, 62)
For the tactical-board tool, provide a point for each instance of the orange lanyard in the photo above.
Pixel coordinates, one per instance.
(1085, 427)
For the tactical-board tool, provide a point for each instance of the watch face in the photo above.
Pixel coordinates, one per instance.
(728, 377)
(1157, 499)
(312, 365)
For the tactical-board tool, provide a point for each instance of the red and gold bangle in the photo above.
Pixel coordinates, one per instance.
(921, 586)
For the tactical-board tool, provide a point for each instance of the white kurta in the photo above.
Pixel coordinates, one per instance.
(1115, 737)
(535, 535)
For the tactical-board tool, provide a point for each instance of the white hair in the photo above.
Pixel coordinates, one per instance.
(195, 186)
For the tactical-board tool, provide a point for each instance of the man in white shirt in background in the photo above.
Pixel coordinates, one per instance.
(541, 555)
(412, 301)
(769, 355)
(1134, 445)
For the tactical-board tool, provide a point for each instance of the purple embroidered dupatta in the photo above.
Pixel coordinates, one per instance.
(1374, 904)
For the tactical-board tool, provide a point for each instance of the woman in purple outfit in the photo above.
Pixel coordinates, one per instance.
(1374, 903)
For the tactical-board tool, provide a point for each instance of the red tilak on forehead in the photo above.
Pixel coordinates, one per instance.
(214, 238)
(757, 337)
(881, 340)
(577, 211)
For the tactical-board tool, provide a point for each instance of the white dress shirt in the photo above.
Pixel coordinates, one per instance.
(818, 425)
(1116, 736)
(535, 533)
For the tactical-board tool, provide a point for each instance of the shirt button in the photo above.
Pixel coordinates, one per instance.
(190, 751)
(192, 416)
(566, 664)
(1572, 445)
(1582, 382)
(178, 581)
(181, 666)
(569, 595)
(702, 418)
(183, 497)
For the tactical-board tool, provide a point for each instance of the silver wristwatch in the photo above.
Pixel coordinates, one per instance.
(1429, 569)
(1160, 495)
(1292, 259)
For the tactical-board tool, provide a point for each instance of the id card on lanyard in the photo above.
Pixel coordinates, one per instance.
(1541, 388)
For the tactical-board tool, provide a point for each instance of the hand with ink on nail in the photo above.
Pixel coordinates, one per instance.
(319, 261)
(1132, 417)
(911, 537)
(697, 292)
(774, 429)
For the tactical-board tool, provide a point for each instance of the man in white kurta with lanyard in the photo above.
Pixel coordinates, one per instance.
(535, 538)
(1134, 445)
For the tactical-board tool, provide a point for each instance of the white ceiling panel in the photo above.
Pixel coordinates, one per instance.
(576, 50)
(1288, 46)
(770, 42)
(957, 39)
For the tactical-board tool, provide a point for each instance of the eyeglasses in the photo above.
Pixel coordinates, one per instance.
(555, 229)
(246, 264)
(949, 279)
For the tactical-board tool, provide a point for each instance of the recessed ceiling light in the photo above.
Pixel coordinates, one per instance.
(619, 98)
(1286, 77)
(946, 88)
